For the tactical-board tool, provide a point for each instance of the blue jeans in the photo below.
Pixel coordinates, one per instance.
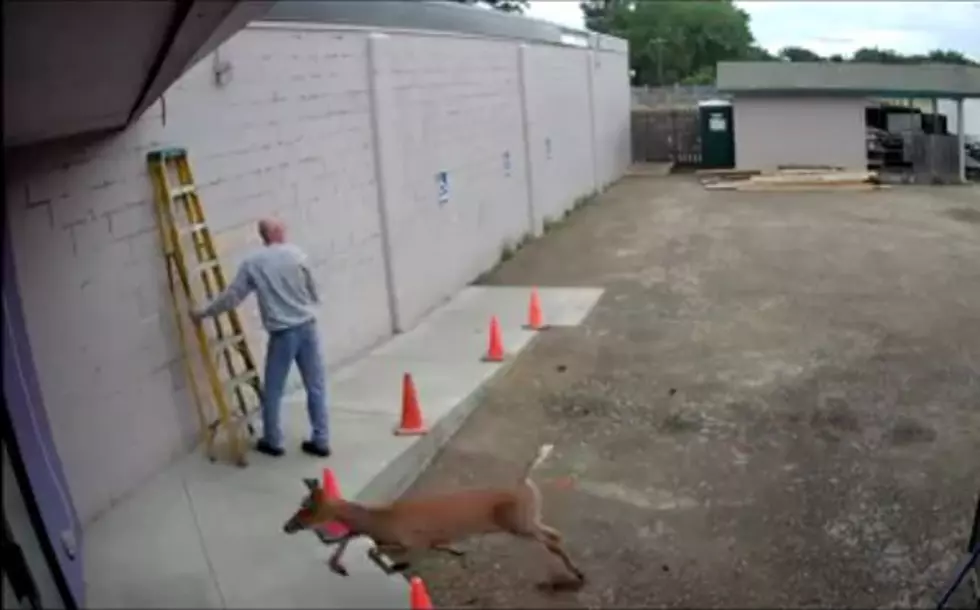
(302, 344)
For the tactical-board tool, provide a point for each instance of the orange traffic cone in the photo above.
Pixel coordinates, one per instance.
(418, 597)
(495, 353)
(334, 529)
(411, 412)
(535, 321)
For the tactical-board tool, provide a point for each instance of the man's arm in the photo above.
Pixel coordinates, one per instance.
(311, 284)
(234, 294)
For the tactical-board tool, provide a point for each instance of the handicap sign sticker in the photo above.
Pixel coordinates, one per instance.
(442, 180)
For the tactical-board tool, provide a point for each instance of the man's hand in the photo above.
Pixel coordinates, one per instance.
(197, 314)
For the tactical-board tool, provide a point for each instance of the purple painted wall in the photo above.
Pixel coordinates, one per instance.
(33, 434)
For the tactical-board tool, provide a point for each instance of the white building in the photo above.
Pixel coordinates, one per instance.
(814, 113)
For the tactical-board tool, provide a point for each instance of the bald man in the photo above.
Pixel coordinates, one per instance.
(287, 299)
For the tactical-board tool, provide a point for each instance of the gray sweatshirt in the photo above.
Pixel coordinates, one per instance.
(283, 285)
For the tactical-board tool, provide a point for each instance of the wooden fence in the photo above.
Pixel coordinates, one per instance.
(934, 158)
(665, 135)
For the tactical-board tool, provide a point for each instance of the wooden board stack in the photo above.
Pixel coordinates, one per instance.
(790, 179)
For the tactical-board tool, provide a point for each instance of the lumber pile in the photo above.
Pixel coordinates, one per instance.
(795, 179)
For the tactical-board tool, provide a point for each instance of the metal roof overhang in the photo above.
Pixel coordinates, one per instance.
(848, 79)
(87, 66)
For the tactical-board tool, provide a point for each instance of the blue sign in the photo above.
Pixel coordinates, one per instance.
(442, 180)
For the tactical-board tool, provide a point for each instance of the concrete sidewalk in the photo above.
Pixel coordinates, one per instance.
(208, 535)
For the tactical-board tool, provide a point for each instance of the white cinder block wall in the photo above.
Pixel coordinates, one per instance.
(774, 131)
(611, 95)
(456, 109)
(341, 133)
(559, 130)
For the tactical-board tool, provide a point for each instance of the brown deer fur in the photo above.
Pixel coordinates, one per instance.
(434, 522)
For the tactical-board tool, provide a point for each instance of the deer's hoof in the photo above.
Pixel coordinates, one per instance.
(561, 584)
(546, 586)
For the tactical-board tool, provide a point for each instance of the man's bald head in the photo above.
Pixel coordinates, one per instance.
(272, 231)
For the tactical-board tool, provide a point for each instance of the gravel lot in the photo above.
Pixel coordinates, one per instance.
(776, 402)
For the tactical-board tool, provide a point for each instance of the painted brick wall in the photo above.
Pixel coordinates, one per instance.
(559, 128)
(611, 95)
(458, 111)
(289, 136)
(339, 132)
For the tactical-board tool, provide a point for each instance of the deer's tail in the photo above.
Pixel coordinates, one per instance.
(543, 452)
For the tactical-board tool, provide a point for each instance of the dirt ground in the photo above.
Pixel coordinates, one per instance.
(775, 403)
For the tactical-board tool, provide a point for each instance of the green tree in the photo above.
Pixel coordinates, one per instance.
(682, 41)
(757, 53)
(606, 16)
(798, 54)
(704, 76)
(676, 40)
(888, 56)
(878, 56)
(507, 6)
(949, 57)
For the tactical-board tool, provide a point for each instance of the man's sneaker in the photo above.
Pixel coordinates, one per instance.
(264, 447)
(311, 448)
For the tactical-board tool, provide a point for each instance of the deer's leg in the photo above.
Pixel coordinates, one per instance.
(551, 540)
(329, 540)
(334, 561)
(447, 548)
(378, 553)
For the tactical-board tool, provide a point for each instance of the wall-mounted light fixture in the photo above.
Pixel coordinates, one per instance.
(222, 69)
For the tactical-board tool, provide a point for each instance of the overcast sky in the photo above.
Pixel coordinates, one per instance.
(839, 27)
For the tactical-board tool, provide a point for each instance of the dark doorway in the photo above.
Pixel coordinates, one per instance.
(32, 577)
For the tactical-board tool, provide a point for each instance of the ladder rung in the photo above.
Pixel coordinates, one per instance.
(187, 189)
(235, 418)
(185, 230)
(165, 154)
(227, 342)
(212, 264)
(243, 379)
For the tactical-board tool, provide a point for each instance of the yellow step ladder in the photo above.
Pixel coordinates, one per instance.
(181, 220)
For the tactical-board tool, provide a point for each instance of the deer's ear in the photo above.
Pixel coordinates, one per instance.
(311, 484)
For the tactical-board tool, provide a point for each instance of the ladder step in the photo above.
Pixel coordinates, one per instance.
(165, 154)
(227, 342)
(243, 379)
(235, 417)
(188, 229)
(206, 265)
(187, 189)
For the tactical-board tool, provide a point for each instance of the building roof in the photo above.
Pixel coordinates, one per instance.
(440, 17)
(862, 79)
